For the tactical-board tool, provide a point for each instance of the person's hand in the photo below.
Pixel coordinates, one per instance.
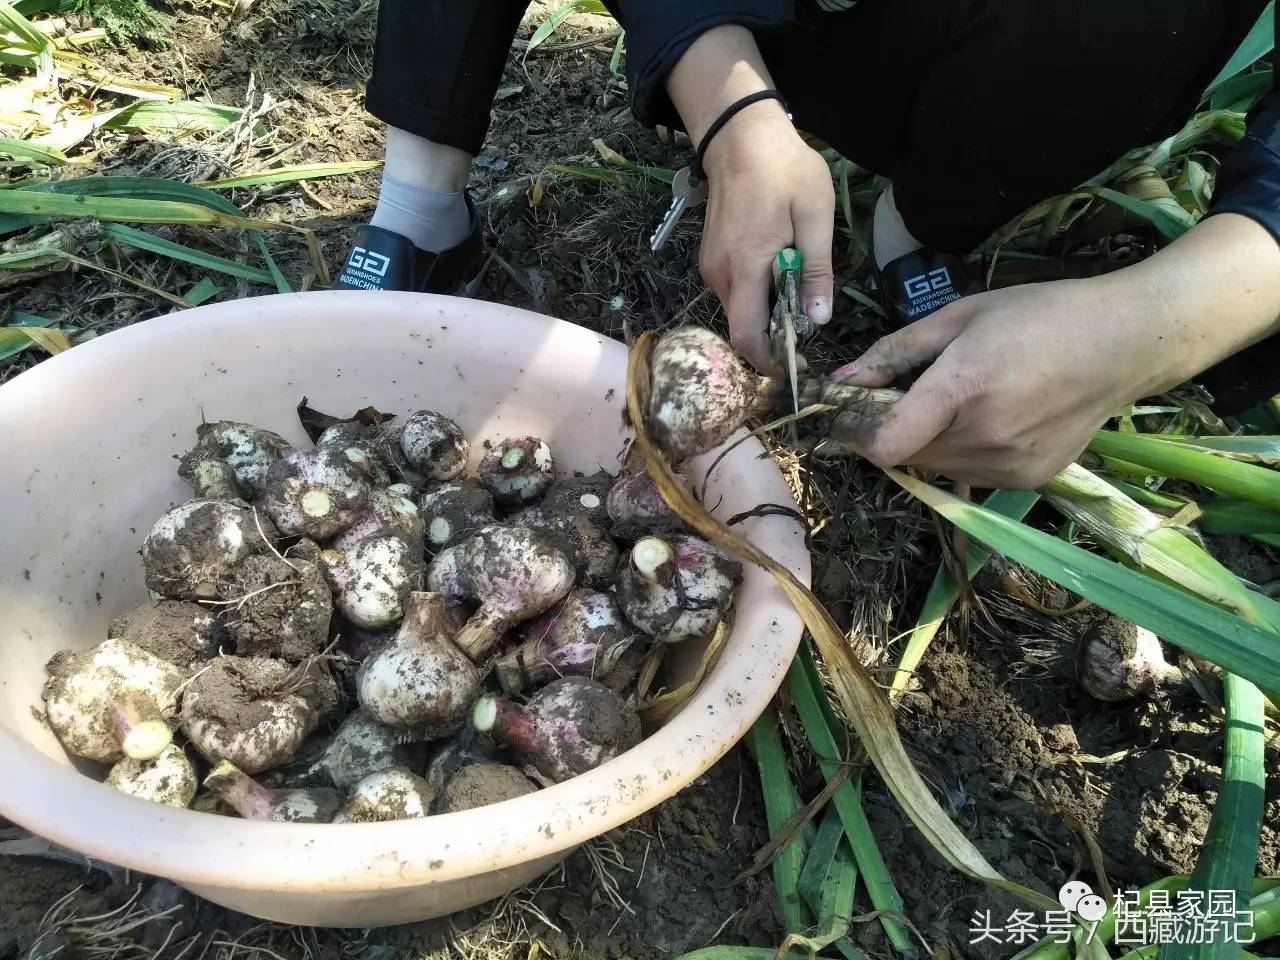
(768, 190)
(1014, 382)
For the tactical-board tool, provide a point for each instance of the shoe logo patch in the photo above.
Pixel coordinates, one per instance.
(925, 283)
(375, 263)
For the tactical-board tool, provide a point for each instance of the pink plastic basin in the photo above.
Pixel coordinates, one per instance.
(89, 438)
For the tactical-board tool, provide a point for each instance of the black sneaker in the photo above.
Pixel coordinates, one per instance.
(921, 282)
(384, 260)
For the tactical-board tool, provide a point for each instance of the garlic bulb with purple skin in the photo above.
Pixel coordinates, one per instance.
(372, 580)
(255, 711)
(111, 701)
(389, 513)
(434, 445)
(677, 587)
(314, 493)
(583, 636)
(701, 392)
(195, 545)
(392, 794)
(1117, 660)
(230, 460)
(168, 778)
(253, 801)
(569, 727)
(517, 471)
(512, 572)
(420, 682)
(636, 507)
(453, 512)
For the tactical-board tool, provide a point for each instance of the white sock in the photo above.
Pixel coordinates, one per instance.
(890, 237)
(434, 220)
(422, 191)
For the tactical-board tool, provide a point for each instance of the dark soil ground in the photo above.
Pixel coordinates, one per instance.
(1027, 762)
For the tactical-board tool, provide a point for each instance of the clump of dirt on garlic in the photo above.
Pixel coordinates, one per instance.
(677, 587)
(1117, 660)
(372, 580)
(568, 727)
(462, 749)
(636, 508)
(168, 778)
(517, 471)
(197, 544)
(391, 794)
(512, 572)
(584, 636)
(111, 701)
(389, 513)
(314, 493)
(230, 460)
(421, 681)
(255, 711)
(453, 512)
(434, 445)
(481, 784)
(276, 607)
(177, 631)
(253, 801)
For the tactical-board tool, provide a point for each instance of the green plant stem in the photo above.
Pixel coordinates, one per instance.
(780, 805)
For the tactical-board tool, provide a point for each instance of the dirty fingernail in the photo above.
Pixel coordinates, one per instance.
(843, 373)
(818, 309)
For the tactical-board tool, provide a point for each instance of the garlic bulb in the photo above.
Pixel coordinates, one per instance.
(314, 493)
(168, 778)
(512, 572)
(176, 631)
(568, 727)
(362, 746)
(421, 682)
(392, 794)
(255, 802)
(434, 445)
(111, 701)
(453, 512)
(372, 580)
(636, 508)
(195, 545)
(230, 460)
(372, 448)
(677, 587)
(389, 513)
(582, 496)
(583, 636)
(1117, 660)
(517, 471)
(255, 711)
(592, 550)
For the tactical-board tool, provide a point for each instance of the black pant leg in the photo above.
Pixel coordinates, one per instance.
(980, 108)
(437, 65)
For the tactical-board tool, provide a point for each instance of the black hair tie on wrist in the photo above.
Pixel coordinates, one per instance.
(725, 117)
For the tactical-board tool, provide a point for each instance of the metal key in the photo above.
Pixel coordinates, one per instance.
(683, 196)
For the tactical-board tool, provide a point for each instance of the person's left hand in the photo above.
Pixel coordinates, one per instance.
(1017, 380)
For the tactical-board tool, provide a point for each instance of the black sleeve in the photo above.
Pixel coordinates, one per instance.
(1249, 180)
(659, 32)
